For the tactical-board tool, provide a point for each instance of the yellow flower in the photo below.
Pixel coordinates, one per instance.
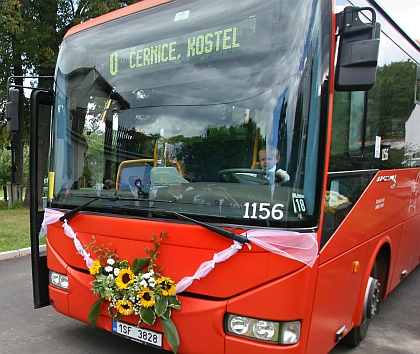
(167, 286)
(125, 307)
(125, 278)
(147, 298)
(95, 267)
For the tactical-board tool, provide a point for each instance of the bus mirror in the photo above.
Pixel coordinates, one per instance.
(358, 50)
(12, 111)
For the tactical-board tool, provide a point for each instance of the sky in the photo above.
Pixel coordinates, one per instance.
(406, 13)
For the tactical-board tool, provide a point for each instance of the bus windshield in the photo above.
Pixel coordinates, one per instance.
(209, 109)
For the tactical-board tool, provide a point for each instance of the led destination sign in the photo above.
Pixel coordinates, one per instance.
(225, 41)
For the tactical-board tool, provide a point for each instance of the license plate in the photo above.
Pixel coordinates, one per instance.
(144, 336)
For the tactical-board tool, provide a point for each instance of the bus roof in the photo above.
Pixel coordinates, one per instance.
(125, 11)
(146, 4)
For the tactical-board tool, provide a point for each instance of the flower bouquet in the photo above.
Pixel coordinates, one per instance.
(134, 290)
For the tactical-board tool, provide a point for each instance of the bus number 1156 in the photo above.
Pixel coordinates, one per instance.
(263, 211)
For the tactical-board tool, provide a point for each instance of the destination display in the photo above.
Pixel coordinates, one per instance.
(224, 41)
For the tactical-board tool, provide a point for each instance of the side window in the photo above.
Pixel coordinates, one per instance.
(391, 108)
(340, 132)
(357, 124)
(376, 129)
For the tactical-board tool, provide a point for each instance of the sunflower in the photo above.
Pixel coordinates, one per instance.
(147, 298)
(125, 307)
(95, 268)
(167, 286)
(125, 278)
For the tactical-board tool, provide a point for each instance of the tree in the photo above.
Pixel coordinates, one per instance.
(12, 63)
(30, 34)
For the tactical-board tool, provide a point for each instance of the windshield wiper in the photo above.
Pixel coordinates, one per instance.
(69, 215)
(218, 230)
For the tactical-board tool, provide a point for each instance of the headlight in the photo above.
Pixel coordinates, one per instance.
(239, 325)
(268, 331)
(59, 280)
(290, 332)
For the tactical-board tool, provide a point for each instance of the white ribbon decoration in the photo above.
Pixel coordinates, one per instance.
(302, 247)
(52, 216)
(207, 266)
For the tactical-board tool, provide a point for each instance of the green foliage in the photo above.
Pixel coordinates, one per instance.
(95, 311)
(94, 163)
(233, 148)
(6, 163)
(30, 36)
(389, 105)
(14, 228)
(171, 333)
(153, 251)
(130, 291)
(16, 205)
(139, 264)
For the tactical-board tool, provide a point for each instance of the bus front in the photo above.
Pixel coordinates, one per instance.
(203, 121)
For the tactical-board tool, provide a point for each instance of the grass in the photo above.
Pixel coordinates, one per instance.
(14, 229)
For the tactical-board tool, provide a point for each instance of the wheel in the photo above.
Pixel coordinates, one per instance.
(370, 310)
(242, 175)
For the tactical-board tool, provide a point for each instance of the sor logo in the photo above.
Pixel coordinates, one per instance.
(392, 178)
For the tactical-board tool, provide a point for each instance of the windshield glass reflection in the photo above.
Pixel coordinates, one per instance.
(188, 115)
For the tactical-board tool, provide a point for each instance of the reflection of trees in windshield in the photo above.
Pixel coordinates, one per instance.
(215, 112)
(389, 105)
(222, 147)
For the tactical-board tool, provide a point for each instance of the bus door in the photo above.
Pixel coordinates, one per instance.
(41, 109)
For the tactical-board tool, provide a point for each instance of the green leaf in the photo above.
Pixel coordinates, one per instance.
(147, 315)
(123, 264)
(105, 282)
(161, 303)
(174, 302)
(171, 333)
(167, 314)
(139, 264)
(111, 312)
(94, 312)
(114, 313)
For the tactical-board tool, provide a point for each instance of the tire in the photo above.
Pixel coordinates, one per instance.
(370, 310)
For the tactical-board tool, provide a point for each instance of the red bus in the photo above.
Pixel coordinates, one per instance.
(233, 177)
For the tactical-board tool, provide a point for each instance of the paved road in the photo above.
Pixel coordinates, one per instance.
(25, 330)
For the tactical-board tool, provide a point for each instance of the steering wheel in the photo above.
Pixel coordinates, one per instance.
(242, 175)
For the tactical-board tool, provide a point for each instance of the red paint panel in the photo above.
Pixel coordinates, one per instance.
(380, 208)
(337, 295)
(181, 253)
(125, 11)
(406, 254)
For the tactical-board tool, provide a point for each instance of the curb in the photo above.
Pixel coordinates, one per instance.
(19, 253)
